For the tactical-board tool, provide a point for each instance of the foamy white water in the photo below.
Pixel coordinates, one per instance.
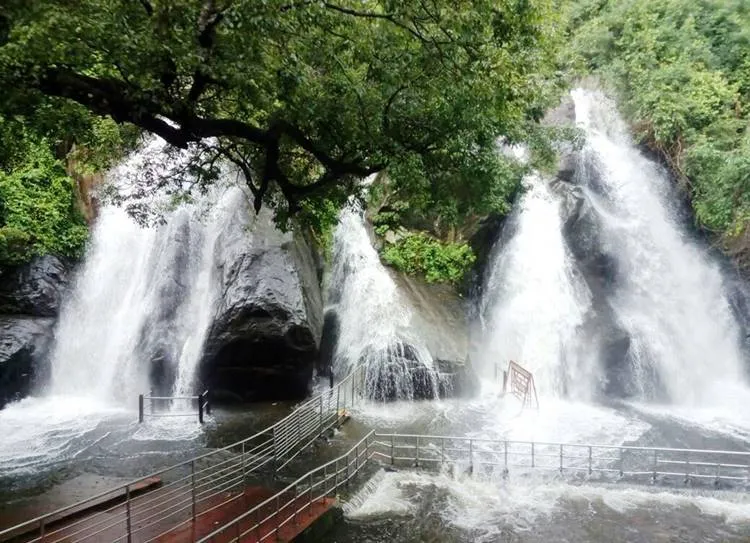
(535, 302)
(669, 296)
(375, 322)
(144, 296)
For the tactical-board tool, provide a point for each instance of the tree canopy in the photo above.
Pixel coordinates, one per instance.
(303, 97)
(681, 69)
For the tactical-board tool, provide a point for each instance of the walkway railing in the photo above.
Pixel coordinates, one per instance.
(267, 520)
(203, 406)
(197, 486)
(654, 464)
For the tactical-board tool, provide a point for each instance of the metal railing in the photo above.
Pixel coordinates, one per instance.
(654, 464)
(268, 519)
(196, 487)
(203, 406)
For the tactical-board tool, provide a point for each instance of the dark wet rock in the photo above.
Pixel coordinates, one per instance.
(263, 343)
(328, 341)
(35, 288)
(24, 342)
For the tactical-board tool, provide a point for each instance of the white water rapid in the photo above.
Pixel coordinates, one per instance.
(659, 288)
(536, 302)
(669, 294)
(144, 300)
(375, 322)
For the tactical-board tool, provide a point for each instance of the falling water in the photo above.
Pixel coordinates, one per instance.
(535, 301)
(144, 299)
(669, 294)
(662, 288)
(375, 323)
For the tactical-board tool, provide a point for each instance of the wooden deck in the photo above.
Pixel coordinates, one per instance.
(107, 523)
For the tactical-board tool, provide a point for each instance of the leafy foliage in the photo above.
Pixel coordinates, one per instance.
(682, 70)
(303, 97)
(38, 212)
(420, 254)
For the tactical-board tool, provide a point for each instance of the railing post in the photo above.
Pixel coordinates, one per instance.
(687, 467)
(338, 393)
(41, 529)
(442, 451)
(653, 476)
(278, 522)
(321, 413)
(151, 402)
(561, 458)
(622, 471)
(242, 460)
(192, 489)
(127, 513)
(590, 460)
(208, 403)
(471, 456)
(416, 459)
(505, 454)
(200, 409)
(140, 407)
(718, 470)
(532, 455)
(392, 447)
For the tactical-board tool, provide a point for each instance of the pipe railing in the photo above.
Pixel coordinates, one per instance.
(203, 406)
(266, 520)
(197, 486)
(656, 464)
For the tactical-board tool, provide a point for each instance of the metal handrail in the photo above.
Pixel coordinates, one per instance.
(278, 444)
(304, 484)
(693, 464)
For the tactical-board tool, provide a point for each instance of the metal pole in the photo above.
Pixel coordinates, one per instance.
(41, 529)
(561, 459)
(653, 477)
(140, 407)
(687, 468)
(151, 402)
(590, 461)
(200, 409)
(208, 403)
(532, 455)
(321, 413)
(442, 451)
(471, 456)
(416, 459)
(506, 458)
(192, 488)
(621, 465)
(392, 447)
(127, 510)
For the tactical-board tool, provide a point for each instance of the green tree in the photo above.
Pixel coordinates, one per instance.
(302, 96)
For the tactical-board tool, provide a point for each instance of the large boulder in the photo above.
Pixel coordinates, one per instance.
(264, 340)
(35, 288)
(24, 342)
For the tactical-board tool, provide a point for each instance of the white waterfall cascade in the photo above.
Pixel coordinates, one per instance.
(670, 296)
(142, 294)
(375, 323)
(534, 302)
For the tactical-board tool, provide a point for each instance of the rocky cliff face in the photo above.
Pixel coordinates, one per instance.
(263, 343)
(30, 298)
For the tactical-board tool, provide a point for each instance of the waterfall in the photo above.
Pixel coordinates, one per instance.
(597, 279)
(145, 297)
(375, 322)
(668, 294)
(535, 301)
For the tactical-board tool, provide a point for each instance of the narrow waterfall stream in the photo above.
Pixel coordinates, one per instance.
(375, 322)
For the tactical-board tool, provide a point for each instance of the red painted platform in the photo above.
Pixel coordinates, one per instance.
(153, 523)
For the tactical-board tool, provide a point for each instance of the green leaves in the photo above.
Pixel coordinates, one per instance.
(438, 262)
(38, 213)
(681, 70)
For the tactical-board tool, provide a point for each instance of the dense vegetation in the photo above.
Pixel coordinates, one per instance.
(303, 97)
(681, 69)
